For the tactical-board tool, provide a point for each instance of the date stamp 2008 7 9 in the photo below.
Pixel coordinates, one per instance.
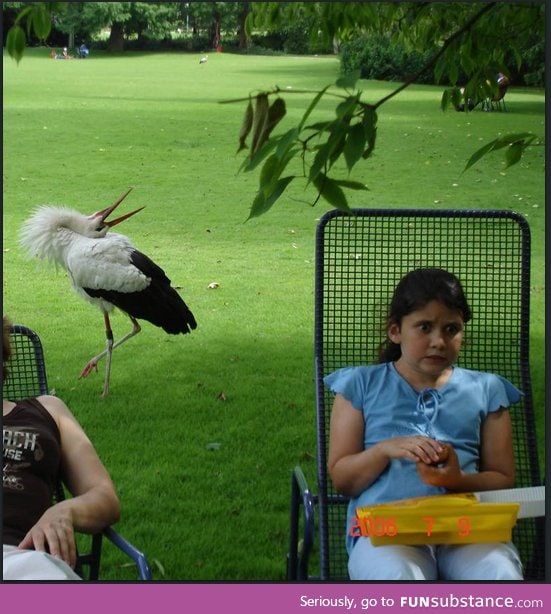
(368, 526)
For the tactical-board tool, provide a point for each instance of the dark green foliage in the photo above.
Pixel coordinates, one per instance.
(377, 57)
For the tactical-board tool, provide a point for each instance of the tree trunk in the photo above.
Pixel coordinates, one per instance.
(116, 38)
(215, 31)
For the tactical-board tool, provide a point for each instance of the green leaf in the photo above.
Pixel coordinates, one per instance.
(263, 202)
(512, 156)
(319, 126)
(269, 172)
(355, 144)
(370, 127)
(276, 113)
(246, 126)
(22, 15)
(15, 42)
(445, 100)
(349, 80)
(509, 139)
(351, 185)
(453, 73)
(479, 154)
(514, 153)
(285, 141)
(251, 163)
(259, 121)
(249, 24)
(41, 21)
(312, 106)
(331, 192)
(319, 163)
(457, 98)
(266, 119)
(336, 143)
(345, 109)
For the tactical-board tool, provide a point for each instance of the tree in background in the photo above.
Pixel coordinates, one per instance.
(83, 21)
(217, 17)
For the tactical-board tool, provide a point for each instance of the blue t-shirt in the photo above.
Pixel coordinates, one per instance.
(391, 407)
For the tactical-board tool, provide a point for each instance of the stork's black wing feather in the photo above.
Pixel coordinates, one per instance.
(158, 303)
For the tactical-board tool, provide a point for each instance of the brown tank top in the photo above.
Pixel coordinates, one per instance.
(31, 464)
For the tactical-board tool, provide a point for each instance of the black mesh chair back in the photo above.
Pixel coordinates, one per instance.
(27, 370)
(27, 378)
(359, 260)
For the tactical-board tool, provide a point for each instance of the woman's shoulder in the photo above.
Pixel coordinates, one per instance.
(54, 406)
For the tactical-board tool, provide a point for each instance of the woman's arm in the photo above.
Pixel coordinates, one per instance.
(94, 504)
(497, 463)
(352, 468)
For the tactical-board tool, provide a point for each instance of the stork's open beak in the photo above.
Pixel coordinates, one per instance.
(102, 215)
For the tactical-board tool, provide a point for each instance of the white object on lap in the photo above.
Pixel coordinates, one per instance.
(531, 499)
(34, 565)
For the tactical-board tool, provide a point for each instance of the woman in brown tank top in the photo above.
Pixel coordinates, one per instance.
(43, 441)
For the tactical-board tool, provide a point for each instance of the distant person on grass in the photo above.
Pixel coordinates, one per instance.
(417, 425)
(41, 442)
(83, 51)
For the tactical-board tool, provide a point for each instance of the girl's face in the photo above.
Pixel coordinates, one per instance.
(430, 339)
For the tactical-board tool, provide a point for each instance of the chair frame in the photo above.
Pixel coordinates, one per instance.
(31, 381)
(313, 515)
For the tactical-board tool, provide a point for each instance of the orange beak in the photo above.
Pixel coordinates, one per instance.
(106, 212)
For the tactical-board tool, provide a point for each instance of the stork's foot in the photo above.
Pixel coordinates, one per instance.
(91, 366)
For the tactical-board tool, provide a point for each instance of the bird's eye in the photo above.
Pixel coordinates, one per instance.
(99, 228)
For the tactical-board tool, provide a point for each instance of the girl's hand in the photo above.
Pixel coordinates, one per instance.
(444, 472)
(53, 533)
(418, 448)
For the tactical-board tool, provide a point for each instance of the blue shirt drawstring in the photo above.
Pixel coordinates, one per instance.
(428, 404)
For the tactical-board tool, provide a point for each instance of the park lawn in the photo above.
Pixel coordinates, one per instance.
(200, 433)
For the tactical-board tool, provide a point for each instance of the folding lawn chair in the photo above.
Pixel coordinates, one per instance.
(359, 260)
(27, 378)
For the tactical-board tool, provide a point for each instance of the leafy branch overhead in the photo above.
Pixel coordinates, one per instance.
(317, 146)
(350, 135)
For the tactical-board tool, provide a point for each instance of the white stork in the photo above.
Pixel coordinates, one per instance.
(204, 59)
(107, 271)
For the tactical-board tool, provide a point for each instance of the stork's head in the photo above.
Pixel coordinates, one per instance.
(98, 224)
(49, 231)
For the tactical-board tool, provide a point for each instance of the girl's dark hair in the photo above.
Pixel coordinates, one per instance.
(413, 292)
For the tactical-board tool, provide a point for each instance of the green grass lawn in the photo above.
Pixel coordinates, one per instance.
(79, 133)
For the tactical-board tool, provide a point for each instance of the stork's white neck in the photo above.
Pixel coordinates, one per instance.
(50, 232)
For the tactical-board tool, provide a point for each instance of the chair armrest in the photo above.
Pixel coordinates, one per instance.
(139, 558)
(299, 552)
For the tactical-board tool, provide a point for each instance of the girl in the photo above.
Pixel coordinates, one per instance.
(417, 425)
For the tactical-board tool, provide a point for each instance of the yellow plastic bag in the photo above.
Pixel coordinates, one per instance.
(440, 519)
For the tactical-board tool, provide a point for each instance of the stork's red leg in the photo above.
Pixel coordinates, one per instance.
(92, 364)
